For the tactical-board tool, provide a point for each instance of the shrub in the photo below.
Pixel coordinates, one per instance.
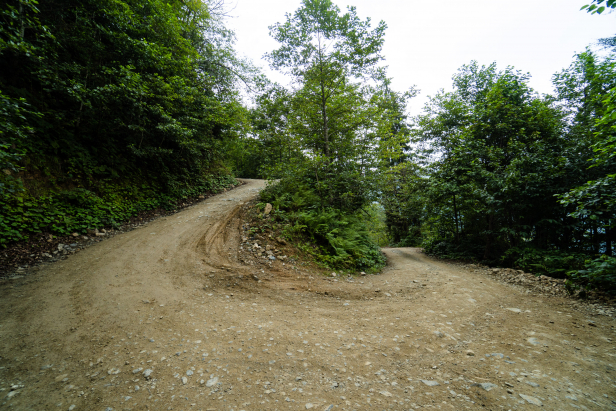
(598, 273)
(79, 209)
(336, 238)
(553, 263)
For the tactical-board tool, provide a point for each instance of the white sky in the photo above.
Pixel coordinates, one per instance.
(427, 41)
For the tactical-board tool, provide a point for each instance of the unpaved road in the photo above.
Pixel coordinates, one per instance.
(171, 299)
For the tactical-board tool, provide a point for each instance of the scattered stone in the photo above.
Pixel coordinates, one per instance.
(515, 310)
(61, 377)
(430, 383)
(309, 406)
(147, 373)
(387, 393)
(268, 209)
(531, 400)
(532, 384)
(487, 386)
(189, 373)
(184, 380)
(137, 370)
(470, 353)
(439, 334)
(211, 382)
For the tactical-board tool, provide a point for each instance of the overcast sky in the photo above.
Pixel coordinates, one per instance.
(427, 41)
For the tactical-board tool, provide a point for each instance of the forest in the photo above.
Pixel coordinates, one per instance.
(112, 107)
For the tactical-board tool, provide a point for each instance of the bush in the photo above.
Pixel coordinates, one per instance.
(599, 273)
(336, 238)
(580, 270)
(444, 248)
(79, 209)
(553, 263)
(344, 239)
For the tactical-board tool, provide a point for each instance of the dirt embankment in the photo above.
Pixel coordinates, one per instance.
(174, 316)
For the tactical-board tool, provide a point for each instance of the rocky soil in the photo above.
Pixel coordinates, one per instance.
(185, 313)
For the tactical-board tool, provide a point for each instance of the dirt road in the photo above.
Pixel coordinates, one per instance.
(166, 318)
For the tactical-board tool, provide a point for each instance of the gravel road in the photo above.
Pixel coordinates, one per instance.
(165, 317)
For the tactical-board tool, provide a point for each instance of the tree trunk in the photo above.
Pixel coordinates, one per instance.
(323, 105)
(325, 122)
(455, 215)
(22, 29)
(489, 238)
(609, 240)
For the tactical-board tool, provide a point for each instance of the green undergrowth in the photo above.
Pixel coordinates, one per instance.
(335, 239)
(107, 204)
(443, 248)
(582, 271)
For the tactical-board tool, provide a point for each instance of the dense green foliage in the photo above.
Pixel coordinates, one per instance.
(326, 137)
(490, 172)
(79, 209)
(503, 176)
(336, 238)
(110, 108)
(107, 107)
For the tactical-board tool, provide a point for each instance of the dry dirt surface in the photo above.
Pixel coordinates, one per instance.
(166, 317)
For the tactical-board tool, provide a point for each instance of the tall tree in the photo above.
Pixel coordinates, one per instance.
(494, 169)
(324, 51)
(332, 58)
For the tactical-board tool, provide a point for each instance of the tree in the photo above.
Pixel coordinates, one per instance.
(494, 163)
(331, 56)
(137, 96)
